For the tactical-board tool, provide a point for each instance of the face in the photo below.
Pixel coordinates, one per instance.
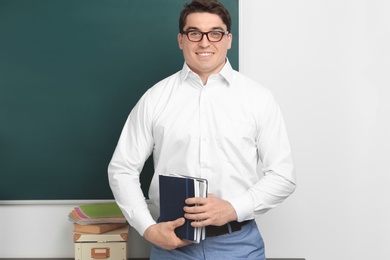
(204, 57)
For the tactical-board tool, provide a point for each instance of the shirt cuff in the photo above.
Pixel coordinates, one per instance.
(243, 206)
(142, 221)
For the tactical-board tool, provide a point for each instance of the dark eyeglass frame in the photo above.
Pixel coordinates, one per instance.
(223, 33)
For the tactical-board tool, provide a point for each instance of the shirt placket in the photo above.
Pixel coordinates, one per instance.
(204, 136)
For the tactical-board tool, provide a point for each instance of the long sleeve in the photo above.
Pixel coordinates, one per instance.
(274, 154)
(134, 147)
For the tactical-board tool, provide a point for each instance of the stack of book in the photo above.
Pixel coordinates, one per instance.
(174, 190)
(97, 218)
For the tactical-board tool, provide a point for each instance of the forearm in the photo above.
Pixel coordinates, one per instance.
(266, 194)
(130, 199)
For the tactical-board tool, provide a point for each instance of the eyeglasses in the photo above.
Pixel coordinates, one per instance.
(212, 36)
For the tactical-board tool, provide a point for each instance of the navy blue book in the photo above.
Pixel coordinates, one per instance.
(174, 190)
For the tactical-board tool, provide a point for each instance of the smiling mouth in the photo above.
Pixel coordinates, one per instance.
(204, 54)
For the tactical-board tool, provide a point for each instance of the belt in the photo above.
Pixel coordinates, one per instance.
(212, 231)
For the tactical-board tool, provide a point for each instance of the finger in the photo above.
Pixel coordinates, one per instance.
(189, 209)
(202, 223)
(184, 243)
(194, 209)
(178, 222)
(197, 217)
(195, 201)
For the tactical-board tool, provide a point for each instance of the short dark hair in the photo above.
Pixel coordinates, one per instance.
(205, 6)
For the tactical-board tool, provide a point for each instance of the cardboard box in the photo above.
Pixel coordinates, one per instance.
(109, 245)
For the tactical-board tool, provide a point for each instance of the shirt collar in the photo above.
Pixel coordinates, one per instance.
(226, 72)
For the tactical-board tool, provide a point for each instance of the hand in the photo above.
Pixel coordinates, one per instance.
(163, 234)
(209, 211)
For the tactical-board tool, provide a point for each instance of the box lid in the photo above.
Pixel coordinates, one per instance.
(117, 235)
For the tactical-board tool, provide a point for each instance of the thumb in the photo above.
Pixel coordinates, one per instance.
(178, 222)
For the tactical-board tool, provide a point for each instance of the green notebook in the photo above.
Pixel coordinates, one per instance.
(102, 210)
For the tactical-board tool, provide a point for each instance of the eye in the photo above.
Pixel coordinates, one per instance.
(215, 34)
(194, 33)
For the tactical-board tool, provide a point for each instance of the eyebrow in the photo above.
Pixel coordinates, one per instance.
(212, 29)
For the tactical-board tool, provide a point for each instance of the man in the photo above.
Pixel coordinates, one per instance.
(208, 121)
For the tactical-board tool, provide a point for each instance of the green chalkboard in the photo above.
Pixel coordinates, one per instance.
(70, 73)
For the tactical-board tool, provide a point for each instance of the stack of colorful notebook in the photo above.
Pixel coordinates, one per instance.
(97, 218)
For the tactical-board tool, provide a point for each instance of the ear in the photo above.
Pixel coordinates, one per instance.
(230, 40)
(180, 40)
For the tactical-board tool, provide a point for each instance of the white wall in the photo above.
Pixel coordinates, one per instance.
(328, 64)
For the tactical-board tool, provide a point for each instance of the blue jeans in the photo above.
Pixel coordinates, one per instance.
(246, 243)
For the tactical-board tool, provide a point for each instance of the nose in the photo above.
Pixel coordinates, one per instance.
(204, 42)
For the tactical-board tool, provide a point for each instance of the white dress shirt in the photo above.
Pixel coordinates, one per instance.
(220, 131)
